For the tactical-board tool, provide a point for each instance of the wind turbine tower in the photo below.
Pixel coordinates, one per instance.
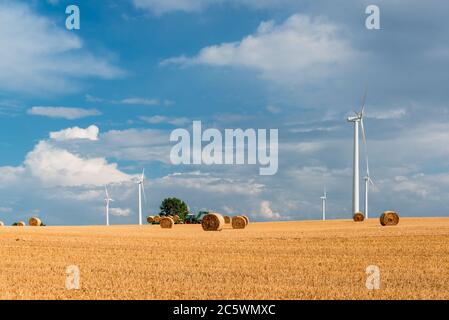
(368, 180)
(357, 119)
(140, 183)
(107, 200)
(323, 203)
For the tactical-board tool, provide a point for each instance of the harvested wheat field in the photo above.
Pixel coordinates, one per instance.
(282, 260)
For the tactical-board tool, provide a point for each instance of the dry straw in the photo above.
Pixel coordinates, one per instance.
(227, 219)
(238, 222)
(358, 217)
(2, 224)
(246, 219)
(150, 219)
(20, 224)
(167, 223)
(389, 218)
(157, 219)
(35, 222)
(213, 222)
(175, 218)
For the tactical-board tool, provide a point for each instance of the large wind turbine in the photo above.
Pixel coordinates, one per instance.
(323, 203)
(140, 182)
(367, 178)
(357, 119)
(107, 199)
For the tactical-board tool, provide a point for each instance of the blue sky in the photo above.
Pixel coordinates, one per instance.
(84, 108)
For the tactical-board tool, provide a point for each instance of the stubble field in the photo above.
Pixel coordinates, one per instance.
(276, 260)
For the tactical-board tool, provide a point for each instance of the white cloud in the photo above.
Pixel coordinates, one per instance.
(303, 147)
(5, 210)
(9, 175)
(266, 212)
(300, 49)
(387, 114)
(120, 212)
(141, 101)
(90, 133)
(164, 6)
(54, 166)
(63, 112)
(163, 119)
(273, 109)
(91, 98)
(137, 144)
(131, 101)
(80, 195)
(212, 184)
(38, 54)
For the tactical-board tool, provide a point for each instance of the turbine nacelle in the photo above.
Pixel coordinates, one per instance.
(358, 117)
(141, 179)
(367, 178)
(107, 198)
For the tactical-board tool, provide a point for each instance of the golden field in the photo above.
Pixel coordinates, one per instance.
(275, 260)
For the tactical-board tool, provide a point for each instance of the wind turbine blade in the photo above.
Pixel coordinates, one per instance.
(366, 146)
(143, 174)
(363, 103)
(143, 192)
(106, 191)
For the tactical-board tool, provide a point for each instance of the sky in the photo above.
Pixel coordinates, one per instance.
(81, 109)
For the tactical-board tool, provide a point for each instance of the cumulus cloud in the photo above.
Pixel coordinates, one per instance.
(300, 48)
(266, 212)
(54, 166)
(120, 212)
(37, 55)
(10, 175)
(63, 112)
(90, 133)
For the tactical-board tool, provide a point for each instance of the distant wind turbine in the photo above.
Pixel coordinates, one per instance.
(141, 182)
(107, 200)
(323, 203)
(368, 180)
(357, 119)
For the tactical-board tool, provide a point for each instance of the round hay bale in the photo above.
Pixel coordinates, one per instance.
(20, 224)
(157, 219)
(167, 223)
(227, 219)
(389, 218)
(150, 219)
(35, 222)
(2, 224)
(358, 217)
(238, 222)
(175, 218)
(213, 222)
(246, 219)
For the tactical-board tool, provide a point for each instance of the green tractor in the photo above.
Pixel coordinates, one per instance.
(191, 218)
